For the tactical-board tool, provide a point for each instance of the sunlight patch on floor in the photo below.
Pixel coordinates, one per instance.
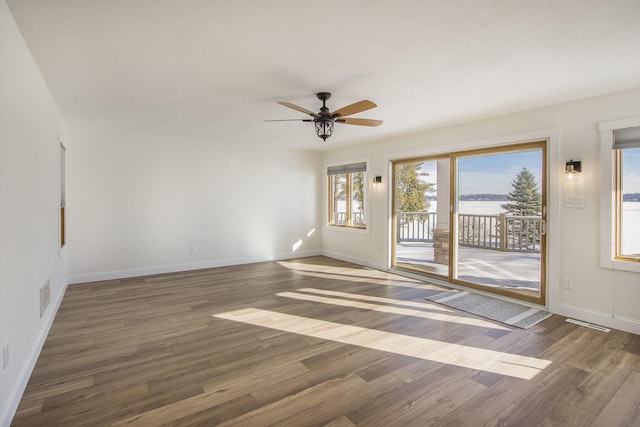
(416, 304)
(498, 362)
(454, 318)
(359, 275)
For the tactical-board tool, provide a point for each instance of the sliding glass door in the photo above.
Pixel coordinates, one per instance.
(499, 212)
(476, 218)
(421, 215)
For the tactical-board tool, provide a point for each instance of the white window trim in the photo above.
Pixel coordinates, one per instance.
(367, 202)
(607, 196)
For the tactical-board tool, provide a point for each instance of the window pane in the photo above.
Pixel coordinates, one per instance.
(357, 200)
(338, 199)
(630, 210)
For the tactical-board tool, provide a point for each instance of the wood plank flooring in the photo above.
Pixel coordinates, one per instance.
(316, 342)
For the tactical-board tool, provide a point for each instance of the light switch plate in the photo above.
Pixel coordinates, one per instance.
(574, 202)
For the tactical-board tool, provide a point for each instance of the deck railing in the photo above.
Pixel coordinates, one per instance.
(416, 226)
(499, 232)
(357, 218)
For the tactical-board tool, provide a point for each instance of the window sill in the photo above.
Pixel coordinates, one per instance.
(619, 265)
(345, 229)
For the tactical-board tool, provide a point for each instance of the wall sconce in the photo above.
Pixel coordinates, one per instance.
(377, 179)
(572, 168)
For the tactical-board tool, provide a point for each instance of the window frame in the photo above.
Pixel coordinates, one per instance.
(611, 198)
(349, 223)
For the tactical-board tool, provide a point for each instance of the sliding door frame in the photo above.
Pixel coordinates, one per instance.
(555, 170)
(539, 299)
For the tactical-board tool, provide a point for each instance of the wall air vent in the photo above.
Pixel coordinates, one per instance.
(45, 297)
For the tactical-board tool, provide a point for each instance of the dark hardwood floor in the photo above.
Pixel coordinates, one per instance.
(311, 342)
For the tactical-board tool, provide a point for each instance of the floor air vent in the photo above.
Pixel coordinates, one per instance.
(589, 325)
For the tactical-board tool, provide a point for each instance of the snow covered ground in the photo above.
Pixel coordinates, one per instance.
(482, 266)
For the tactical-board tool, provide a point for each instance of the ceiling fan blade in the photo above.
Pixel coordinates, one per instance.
(358, 107)
(298, 108)
(288, 120)
(359, 122)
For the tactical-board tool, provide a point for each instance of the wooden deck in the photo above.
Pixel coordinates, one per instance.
(316, 341)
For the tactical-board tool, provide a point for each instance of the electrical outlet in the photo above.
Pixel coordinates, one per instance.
(5, 356)
(567, 283)
(193, 249)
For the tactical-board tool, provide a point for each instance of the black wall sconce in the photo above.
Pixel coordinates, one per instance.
(572, 167)
(377, 179)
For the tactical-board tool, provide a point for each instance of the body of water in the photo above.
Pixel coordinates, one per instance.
(474, 207)
(631, 227)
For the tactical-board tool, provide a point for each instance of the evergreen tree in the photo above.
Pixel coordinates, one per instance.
(410, 191)
(525, 197)
(358, 190)
(339, 187)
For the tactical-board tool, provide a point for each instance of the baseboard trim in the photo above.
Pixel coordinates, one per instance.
(599, 318)
(8, 410)
(353, 260)
(177, 268)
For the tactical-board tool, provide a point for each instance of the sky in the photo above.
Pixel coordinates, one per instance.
(631, 171)
(491, 173)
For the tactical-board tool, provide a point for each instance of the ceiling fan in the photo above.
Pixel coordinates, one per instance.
(325, 119)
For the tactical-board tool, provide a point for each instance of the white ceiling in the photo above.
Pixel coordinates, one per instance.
(215, 69)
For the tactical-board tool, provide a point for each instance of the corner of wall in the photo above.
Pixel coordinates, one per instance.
(8, 410)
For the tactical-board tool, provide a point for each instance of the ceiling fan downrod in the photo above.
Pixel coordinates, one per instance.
(324, 123)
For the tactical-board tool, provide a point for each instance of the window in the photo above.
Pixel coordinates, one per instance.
(626, 145)
(621, 194)
(347, 195)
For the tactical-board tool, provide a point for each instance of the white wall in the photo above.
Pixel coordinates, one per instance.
(599, 295)
(139, 202)
(29, 213)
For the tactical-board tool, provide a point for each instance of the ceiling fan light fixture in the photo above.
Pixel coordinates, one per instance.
(324, 128)
(325, 119)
